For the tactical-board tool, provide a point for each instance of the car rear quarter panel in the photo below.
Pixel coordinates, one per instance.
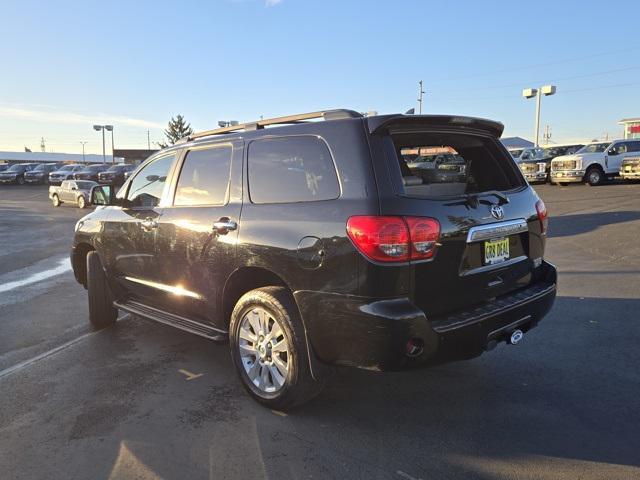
(306, 243)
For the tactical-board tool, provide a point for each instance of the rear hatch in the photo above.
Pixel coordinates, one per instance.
(491, 240)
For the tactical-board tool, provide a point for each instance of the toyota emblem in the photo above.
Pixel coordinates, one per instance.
(497, 212)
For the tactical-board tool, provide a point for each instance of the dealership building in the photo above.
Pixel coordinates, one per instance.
(631, 128)
(48, 157)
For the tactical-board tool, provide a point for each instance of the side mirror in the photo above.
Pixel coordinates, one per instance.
(102, 195)
(613, 151)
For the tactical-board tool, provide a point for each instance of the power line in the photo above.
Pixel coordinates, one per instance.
(572, 77)
(546, 64)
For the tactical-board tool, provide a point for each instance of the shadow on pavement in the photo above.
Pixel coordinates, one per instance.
(564, 403)
(568, 225)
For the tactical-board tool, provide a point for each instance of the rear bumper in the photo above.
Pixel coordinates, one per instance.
(373, 334)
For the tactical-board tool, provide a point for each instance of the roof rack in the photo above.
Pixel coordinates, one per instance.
(338, 114)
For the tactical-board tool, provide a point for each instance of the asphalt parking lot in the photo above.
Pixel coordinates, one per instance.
(141, 400)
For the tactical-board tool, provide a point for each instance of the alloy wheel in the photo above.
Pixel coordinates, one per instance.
(264, 350)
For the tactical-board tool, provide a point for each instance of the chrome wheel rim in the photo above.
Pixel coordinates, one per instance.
(264, 350)
(594, 177)
(81, 202)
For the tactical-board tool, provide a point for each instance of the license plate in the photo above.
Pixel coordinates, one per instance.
(496, 251)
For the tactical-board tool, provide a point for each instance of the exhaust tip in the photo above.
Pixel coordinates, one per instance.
(516, 337)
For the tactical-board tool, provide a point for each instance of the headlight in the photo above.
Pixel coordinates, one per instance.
(578, 163)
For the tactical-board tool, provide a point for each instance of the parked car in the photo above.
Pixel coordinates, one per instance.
(15, 173)
(312, 243)
(593, 163)
(65, 172)
(90, 172)
(72, 191)
(115, 174)
(40, 174)
(532, 163)
(128, 173)
(439, 168)
(553, 151)
(4, 166)
(630, 168)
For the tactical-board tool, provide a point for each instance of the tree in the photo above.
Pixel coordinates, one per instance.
(177, 128)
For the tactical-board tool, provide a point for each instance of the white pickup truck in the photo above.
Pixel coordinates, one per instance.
(593, 163)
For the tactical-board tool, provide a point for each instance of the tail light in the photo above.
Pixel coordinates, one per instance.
(394, 239)
(543, 216)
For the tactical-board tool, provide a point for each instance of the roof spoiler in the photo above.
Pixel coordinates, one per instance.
(391, 122)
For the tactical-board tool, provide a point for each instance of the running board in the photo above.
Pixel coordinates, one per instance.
(182, 323)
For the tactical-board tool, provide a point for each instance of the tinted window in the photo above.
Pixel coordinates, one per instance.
(291, 169)
(454, 164)
(147, 186)
(204, 177)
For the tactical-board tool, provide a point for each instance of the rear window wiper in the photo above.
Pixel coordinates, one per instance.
(474, 199)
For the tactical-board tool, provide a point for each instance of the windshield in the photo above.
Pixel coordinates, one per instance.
(594, 148)
(16, 168)
(115, 168)
(515, 153)
(85, 185)
(67, 168)
(93, 168)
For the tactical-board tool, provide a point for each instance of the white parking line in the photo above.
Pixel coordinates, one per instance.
(42, 356)
(63, 266)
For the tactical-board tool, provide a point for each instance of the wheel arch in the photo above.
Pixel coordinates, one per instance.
(245, 279)
(79, 261)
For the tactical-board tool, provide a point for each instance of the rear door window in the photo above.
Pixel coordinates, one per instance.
(291, 169)
(449, 164)
(204, 178)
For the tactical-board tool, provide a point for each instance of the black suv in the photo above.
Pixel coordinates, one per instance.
(114, 175)
(313, 243)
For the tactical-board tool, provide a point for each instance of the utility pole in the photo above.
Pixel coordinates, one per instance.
(42, 145)
(148, 141)
(420, 94)
(547, 134)
(83, 144)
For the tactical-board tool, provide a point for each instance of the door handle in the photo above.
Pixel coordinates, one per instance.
(149, 224)
(224, 225)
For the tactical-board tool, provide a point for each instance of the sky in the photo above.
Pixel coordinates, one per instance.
(65, 66)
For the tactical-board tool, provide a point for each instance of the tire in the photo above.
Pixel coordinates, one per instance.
(81, 202)
(594, 176)
(20, 180)
(265, 309)
(55, 200)
(102, 313)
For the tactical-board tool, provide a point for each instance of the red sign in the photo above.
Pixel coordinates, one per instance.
(634, 129)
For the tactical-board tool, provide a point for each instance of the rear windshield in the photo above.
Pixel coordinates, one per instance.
(449, 164)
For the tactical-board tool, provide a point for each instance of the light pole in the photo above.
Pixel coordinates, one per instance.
(97, 128)
(227, 123)
(109, 128)
(547, 90)
(420, 93)
(83, 144)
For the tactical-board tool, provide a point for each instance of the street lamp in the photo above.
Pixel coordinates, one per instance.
(227, 123)
(109, 128)
(83, 144)
(547, 90)
(97, 128)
